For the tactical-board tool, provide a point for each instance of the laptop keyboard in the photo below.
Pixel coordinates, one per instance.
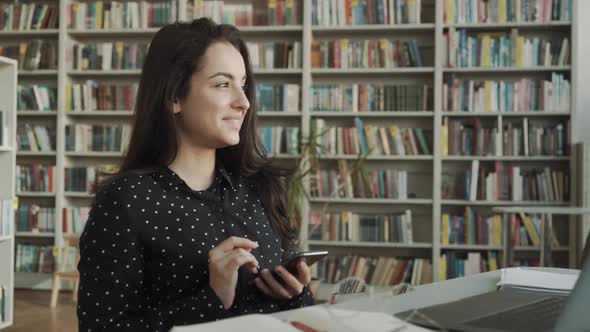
(538, 316)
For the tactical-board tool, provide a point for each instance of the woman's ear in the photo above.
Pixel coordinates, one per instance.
(176, 106)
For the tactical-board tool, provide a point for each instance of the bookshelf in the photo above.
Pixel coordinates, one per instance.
(8, 77)
(428, 169)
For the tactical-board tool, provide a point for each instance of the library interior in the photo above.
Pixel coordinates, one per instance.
(322, 165)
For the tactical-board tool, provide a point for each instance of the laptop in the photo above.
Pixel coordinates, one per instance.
(512, 309)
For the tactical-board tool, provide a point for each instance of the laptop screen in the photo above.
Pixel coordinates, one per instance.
(575, 315)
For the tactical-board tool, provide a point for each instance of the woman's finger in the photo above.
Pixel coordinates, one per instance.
(292, 283)
(263, 287)
(230, 244)
(274, 285)
(304, 274)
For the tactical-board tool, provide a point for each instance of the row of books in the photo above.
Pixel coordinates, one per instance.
(34, 218)
(350, 12)
(471, 227)
(470, 138)
(503, 11)
(278, 97)
(32, 55)
(368, 97)
(455, 265)
(35, 178)
(280, 140)
(507, 182)
(527, 230)
(35, 138)
(368, 53)
(36, 97)
(349, 226)
(74, 219)
(257, 12)
(348, 182)
(83, 178)
(107, 56)
(498, 49)
(100, 96)
(97, 15)
(28, 16)
(523, 95)
(97, 138)
(376, 271)
(370, 139)
(269, 55)
(6, 217)
(34, 258)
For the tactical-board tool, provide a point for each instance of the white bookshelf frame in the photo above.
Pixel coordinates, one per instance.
(8, 81)
(305, 76)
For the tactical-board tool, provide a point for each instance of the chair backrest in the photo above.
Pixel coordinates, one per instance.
(350, 285)
(71, 242)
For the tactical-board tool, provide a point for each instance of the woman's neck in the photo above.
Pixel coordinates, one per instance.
(195, 165)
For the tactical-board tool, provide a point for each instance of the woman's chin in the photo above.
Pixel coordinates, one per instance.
(230, 140)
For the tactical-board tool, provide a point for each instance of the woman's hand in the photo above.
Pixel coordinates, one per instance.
(224, 262)
(270, 286)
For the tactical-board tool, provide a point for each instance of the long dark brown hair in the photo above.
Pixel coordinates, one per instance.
(173, 56)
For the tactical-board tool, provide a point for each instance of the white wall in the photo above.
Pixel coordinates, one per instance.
(581, 83)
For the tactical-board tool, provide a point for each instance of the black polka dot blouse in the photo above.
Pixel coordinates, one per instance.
(144, 252)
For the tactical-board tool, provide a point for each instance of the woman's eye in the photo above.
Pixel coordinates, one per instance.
(224, 85)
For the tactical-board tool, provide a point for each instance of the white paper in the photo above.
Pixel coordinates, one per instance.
(253, 322)
(340, 320)
(541, 280)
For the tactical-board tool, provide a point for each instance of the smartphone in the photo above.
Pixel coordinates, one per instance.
(310, 257)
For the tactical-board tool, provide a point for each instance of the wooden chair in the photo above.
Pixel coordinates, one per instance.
(62, 273)
(349, 285)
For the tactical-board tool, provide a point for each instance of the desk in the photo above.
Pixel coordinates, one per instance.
(546, 225)
(426, 295)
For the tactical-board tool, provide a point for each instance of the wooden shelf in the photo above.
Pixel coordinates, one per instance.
(94, 154)
(321, 243)
(376, 157)
(30, 33)
(36, 153)
(36, 113)
(34, 234)
(5, 238)
(372, 28)
(107, 73)
(510, 25)
(141, 32)
(507, 69)
(506, 114)
(38, 72)
(35, 194)
(100, 113)
(501, 203)
(372, 114)
(74, 194)
(470, 247)
(345, 71)
(371, 201)
(507, 158)
(278, 114)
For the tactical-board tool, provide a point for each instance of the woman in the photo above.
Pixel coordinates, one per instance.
(196, 209)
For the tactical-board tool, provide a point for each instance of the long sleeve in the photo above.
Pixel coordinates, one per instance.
(112, 296)
(304, 299)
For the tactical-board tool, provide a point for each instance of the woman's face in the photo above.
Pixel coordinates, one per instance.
(212, 113)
